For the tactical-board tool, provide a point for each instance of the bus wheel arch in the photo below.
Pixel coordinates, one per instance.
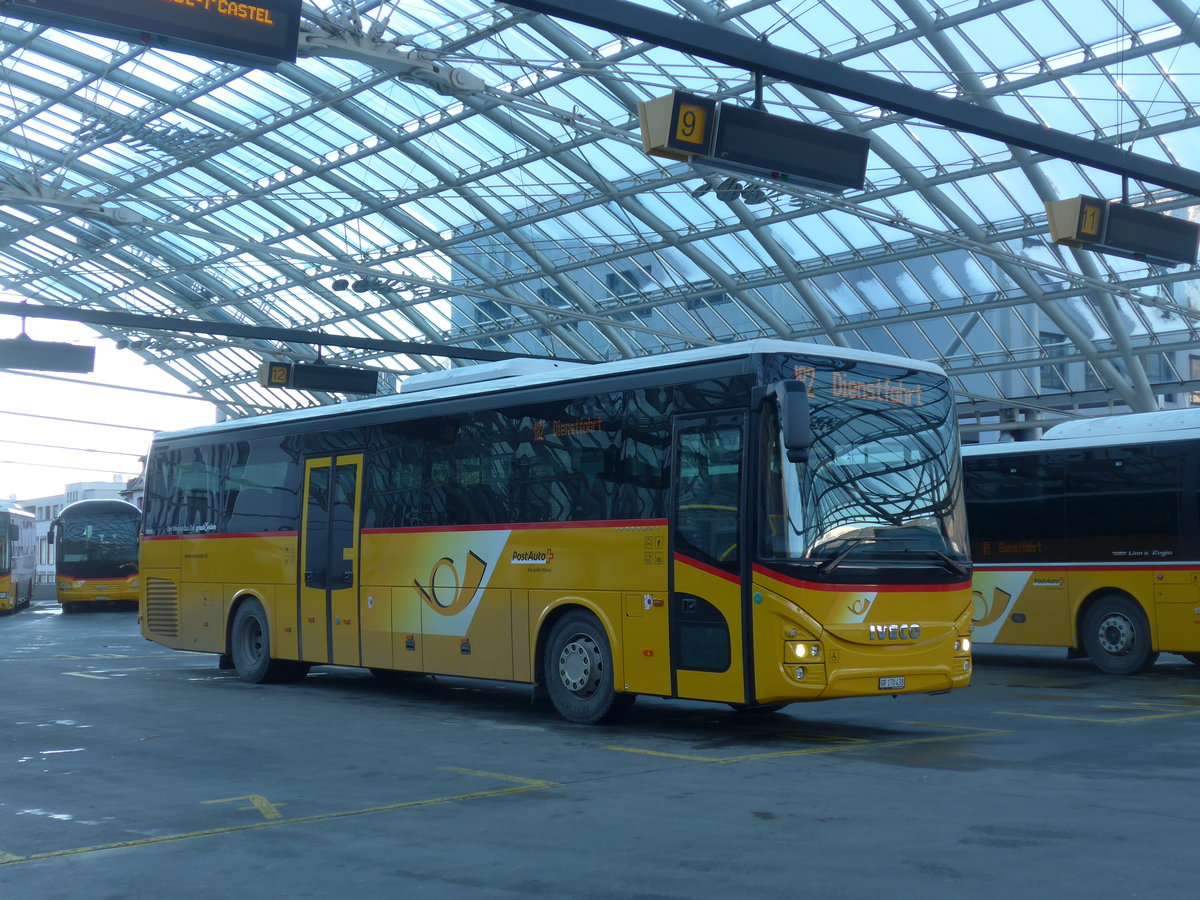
(248, 645)
(577, 667)
(1114, 631)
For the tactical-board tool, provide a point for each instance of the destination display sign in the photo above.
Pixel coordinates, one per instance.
(258, 32)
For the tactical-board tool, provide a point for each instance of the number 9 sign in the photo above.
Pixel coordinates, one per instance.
(691, 124)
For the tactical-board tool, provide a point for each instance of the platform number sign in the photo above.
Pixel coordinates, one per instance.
(1091, 220)
(691, 125)
(692, 120)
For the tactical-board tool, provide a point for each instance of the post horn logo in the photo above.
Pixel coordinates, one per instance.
(986, 613)
(860, 606)
(449, 600)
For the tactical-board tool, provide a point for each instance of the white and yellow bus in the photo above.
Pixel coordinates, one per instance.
(754, 524)
(1089, 538)
(96, 545)
(18, 547)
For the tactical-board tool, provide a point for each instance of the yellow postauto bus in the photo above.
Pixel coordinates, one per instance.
(96, 544)
(1089, 538)
(754, 524)
(18, 546)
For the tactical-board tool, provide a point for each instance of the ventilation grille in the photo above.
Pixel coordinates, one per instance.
(162, 607)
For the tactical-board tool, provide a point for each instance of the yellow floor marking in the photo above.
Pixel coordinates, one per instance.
(1119, 720)
(813, 736)
(810, 751)
(268, 809)
(523, 785)
(532, 782)
(85, 675)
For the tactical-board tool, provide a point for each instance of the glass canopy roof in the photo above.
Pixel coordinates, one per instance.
(465, 174)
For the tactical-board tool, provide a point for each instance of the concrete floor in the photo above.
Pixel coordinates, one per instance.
(131, 771)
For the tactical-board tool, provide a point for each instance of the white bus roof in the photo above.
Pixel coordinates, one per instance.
(565, 374)
(1104, 431)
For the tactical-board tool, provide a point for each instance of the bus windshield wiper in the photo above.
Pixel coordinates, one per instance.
(952, 564)
(827, 566)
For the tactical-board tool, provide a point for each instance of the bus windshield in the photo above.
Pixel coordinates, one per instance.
(881, 485)
(102, 546)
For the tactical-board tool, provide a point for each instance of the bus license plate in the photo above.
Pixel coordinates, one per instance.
(896, 682)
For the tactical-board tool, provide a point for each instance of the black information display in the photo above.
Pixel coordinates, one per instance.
(308, 377)
(45, 356)
(1116, 228)
(792, 151)
(1152, 236)
(256, 32)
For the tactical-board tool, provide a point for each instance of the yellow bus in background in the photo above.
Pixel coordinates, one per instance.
(1089, 538)
(754, 524)
(18, 549)
(96, 545)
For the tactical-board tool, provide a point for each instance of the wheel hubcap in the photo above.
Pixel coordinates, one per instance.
(1116, 634)
(252, 641)
(579, 666)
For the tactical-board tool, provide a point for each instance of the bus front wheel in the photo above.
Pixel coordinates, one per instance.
(578, 671)
(1116, 635)
(250, 648)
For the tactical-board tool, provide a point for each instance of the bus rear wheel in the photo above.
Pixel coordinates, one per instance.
(250, 648)
(1193, 658)
(1116, 635)
(578, 672)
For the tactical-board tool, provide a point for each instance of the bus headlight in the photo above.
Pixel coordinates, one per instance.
(962, 645)
(804, 650)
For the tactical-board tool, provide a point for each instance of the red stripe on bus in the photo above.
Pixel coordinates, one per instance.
(705, 567)
(878, 588)
(628, 524)
(1091, 567)
(209, 535)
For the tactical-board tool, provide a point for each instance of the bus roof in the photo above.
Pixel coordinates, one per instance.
(7, 506)
(1104, 431)
(568, 373)
(97, 506)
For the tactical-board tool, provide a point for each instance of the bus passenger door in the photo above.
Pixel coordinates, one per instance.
(707, 549)
(328, 599)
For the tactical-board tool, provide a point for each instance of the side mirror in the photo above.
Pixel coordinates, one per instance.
(792, 397)
(50, 534)
(14, 531)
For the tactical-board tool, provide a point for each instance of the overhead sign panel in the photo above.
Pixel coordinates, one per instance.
(754, 141)
(306, 377)
(677, 126)
(45, 356)
(1116, 228)
(258, 32)
(689, 127)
